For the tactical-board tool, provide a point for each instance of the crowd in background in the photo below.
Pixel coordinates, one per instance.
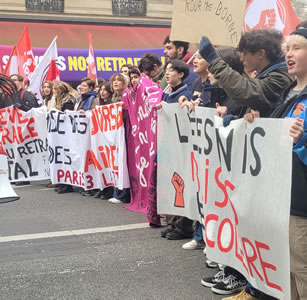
(264, 77)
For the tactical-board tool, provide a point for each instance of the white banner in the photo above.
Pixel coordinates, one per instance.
(23, 136)
(236, 181)
(88, 150)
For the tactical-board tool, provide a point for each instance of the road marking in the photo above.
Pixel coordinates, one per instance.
(44, 235)
(47, 189)
(21, 186)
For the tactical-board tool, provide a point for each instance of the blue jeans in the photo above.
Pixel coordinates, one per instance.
(122, 195)
(198, 234)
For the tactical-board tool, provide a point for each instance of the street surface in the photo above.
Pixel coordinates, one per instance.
(74, 247)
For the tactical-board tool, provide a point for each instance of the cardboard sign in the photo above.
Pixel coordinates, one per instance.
(23, 136)
(220, 20)
(236, 181)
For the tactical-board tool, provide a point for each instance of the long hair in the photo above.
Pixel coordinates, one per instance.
(65, 93)
(8, 91)
(107, 87)
(117, 95)
(47, 97)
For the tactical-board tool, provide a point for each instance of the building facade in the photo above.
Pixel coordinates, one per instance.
(142, 12)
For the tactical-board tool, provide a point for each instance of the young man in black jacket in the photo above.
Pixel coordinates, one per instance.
(25, 100)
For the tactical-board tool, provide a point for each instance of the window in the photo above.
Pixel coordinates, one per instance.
(51, 6)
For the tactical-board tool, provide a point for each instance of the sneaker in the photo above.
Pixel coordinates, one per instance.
(242, 296)
(114, 201)
(87, 193)
(231, 284)
(211, 281)
(176, 235)
(192, 245)
(211, 264)
(165, 231)
(98, 194)
(65, 189)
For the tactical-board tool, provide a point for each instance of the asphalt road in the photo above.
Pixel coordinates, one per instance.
(74, 247)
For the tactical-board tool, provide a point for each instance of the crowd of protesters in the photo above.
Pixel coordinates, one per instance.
(265, 77)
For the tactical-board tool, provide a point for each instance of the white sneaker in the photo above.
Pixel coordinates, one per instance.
(192, 245)
(211, 264)
(114, 201)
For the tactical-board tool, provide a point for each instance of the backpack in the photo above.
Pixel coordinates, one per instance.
(22, 96)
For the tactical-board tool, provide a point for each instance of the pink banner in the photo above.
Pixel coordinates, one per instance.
(141, 133)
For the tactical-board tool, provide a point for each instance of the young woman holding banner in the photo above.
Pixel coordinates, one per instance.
(49, 99)
(104, 94)
(65, 100)
(119, 83)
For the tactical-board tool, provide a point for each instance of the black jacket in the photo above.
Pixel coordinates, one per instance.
(25, 100)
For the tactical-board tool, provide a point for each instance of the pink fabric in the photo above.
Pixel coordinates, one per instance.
(141, 134)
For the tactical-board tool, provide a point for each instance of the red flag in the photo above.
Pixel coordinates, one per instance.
(278, 14)
(12, 64)
(26, 62)
(53, 72)
(91, 60)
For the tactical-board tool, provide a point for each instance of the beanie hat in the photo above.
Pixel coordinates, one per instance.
(300, 31)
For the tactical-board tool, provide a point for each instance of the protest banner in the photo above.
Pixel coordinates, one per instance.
(23, 136)
(220, 20)
(88, 150)
(7, 194)
(73, 63)
(141, 132)
(229, 179)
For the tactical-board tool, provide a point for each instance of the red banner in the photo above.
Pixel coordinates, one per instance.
(278, 14)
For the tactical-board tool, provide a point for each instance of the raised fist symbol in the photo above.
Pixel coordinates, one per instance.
(178, 184)
(267, 19)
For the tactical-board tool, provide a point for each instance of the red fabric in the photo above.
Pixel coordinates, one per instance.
(12, 64)
(187, 57)
(278, 14)
(91, 73)
(53, 72)
(26, 60)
